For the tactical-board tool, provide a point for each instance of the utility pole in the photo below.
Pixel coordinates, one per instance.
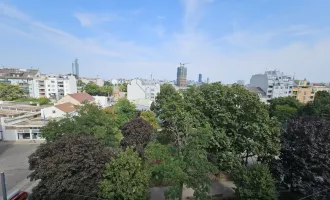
(3, 184)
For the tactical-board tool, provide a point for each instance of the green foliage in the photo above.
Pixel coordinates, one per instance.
(284, 112)
(320, 107)
(284, 108)
(10, 92)
(186, 164)
(71, 164)
(90, 121)
(150, 117)
(93, 89)
(254, 182)
(123, 87)
(125, 178)
(108, 83)
(321, 94)
(35, 101)
(124, 111)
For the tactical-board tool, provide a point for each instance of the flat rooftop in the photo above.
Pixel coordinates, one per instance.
(19, 107)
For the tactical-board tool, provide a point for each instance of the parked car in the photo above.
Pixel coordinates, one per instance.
(18, 195)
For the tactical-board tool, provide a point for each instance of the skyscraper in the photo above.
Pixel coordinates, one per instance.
(75, 68)
(181, 80)
(200, 78)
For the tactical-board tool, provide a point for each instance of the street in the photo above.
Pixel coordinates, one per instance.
(14, 162)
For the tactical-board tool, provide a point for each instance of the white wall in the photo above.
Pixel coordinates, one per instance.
(102, 101)
(52, 112)
(10, 135)
(137, 90)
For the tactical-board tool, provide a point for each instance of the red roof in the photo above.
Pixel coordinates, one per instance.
(82, 97)
(66, 107)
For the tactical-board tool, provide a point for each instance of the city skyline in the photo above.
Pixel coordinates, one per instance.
(224, 40)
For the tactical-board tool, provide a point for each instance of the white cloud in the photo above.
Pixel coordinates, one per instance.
(212, 56)
(90, 19)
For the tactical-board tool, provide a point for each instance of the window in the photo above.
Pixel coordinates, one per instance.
(304, 92)
(54, 111)
(52, 81)
(48, 89)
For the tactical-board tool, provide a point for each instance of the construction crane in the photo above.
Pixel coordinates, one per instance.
(183, 64)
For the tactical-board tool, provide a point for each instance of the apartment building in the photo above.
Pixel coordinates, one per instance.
(304, 91)
(142, 89)
(20, 77)
(274, 83)
(53, 86)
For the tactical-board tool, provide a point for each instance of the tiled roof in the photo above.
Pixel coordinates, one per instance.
(82, 97)
(66, 107)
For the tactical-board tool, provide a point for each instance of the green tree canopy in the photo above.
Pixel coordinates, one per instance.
(93, 89)
(90, 121)
(123, 87)
(124, 111)
(150, 117)
(303, 166)
(10, 92)
(284, 108)
(125, 178)
(240, 123)
(255, 182)
(320, 107)
(182, 163)
(67, 166)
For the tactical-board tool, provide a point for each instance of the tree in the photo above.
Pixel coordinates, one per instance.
(106, 91)
(321, 94)
(240, 123)
(124, 111)
(90, 121)
(320, 107)
(92, 89)
(10, 92)
(108, 83)
(125, 178)
(284, 108)
(137, 133)
(185, 165)
(255, 182)
(69, 166)
(123, 87)
(284, 112)
(43, 100)
(303, 166)
(150, 117)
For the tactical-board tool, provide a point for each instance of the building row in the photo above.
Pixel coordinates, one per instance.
(36, 85)
(275, 84)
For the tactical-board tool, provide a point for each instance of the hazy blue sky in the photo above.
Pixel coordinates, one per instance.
(225, 40)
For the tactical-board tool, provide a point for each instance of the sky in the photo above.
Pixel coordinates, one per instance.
(224, 40)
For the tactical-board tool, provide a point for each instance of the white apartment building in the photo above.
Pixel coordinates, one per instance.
(53, 86)
(142, 89)
(274, 83)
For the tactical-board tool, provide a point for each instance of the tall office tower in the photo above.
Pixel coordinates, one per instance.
(181, 80)
(76, 66)
(200, 78)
